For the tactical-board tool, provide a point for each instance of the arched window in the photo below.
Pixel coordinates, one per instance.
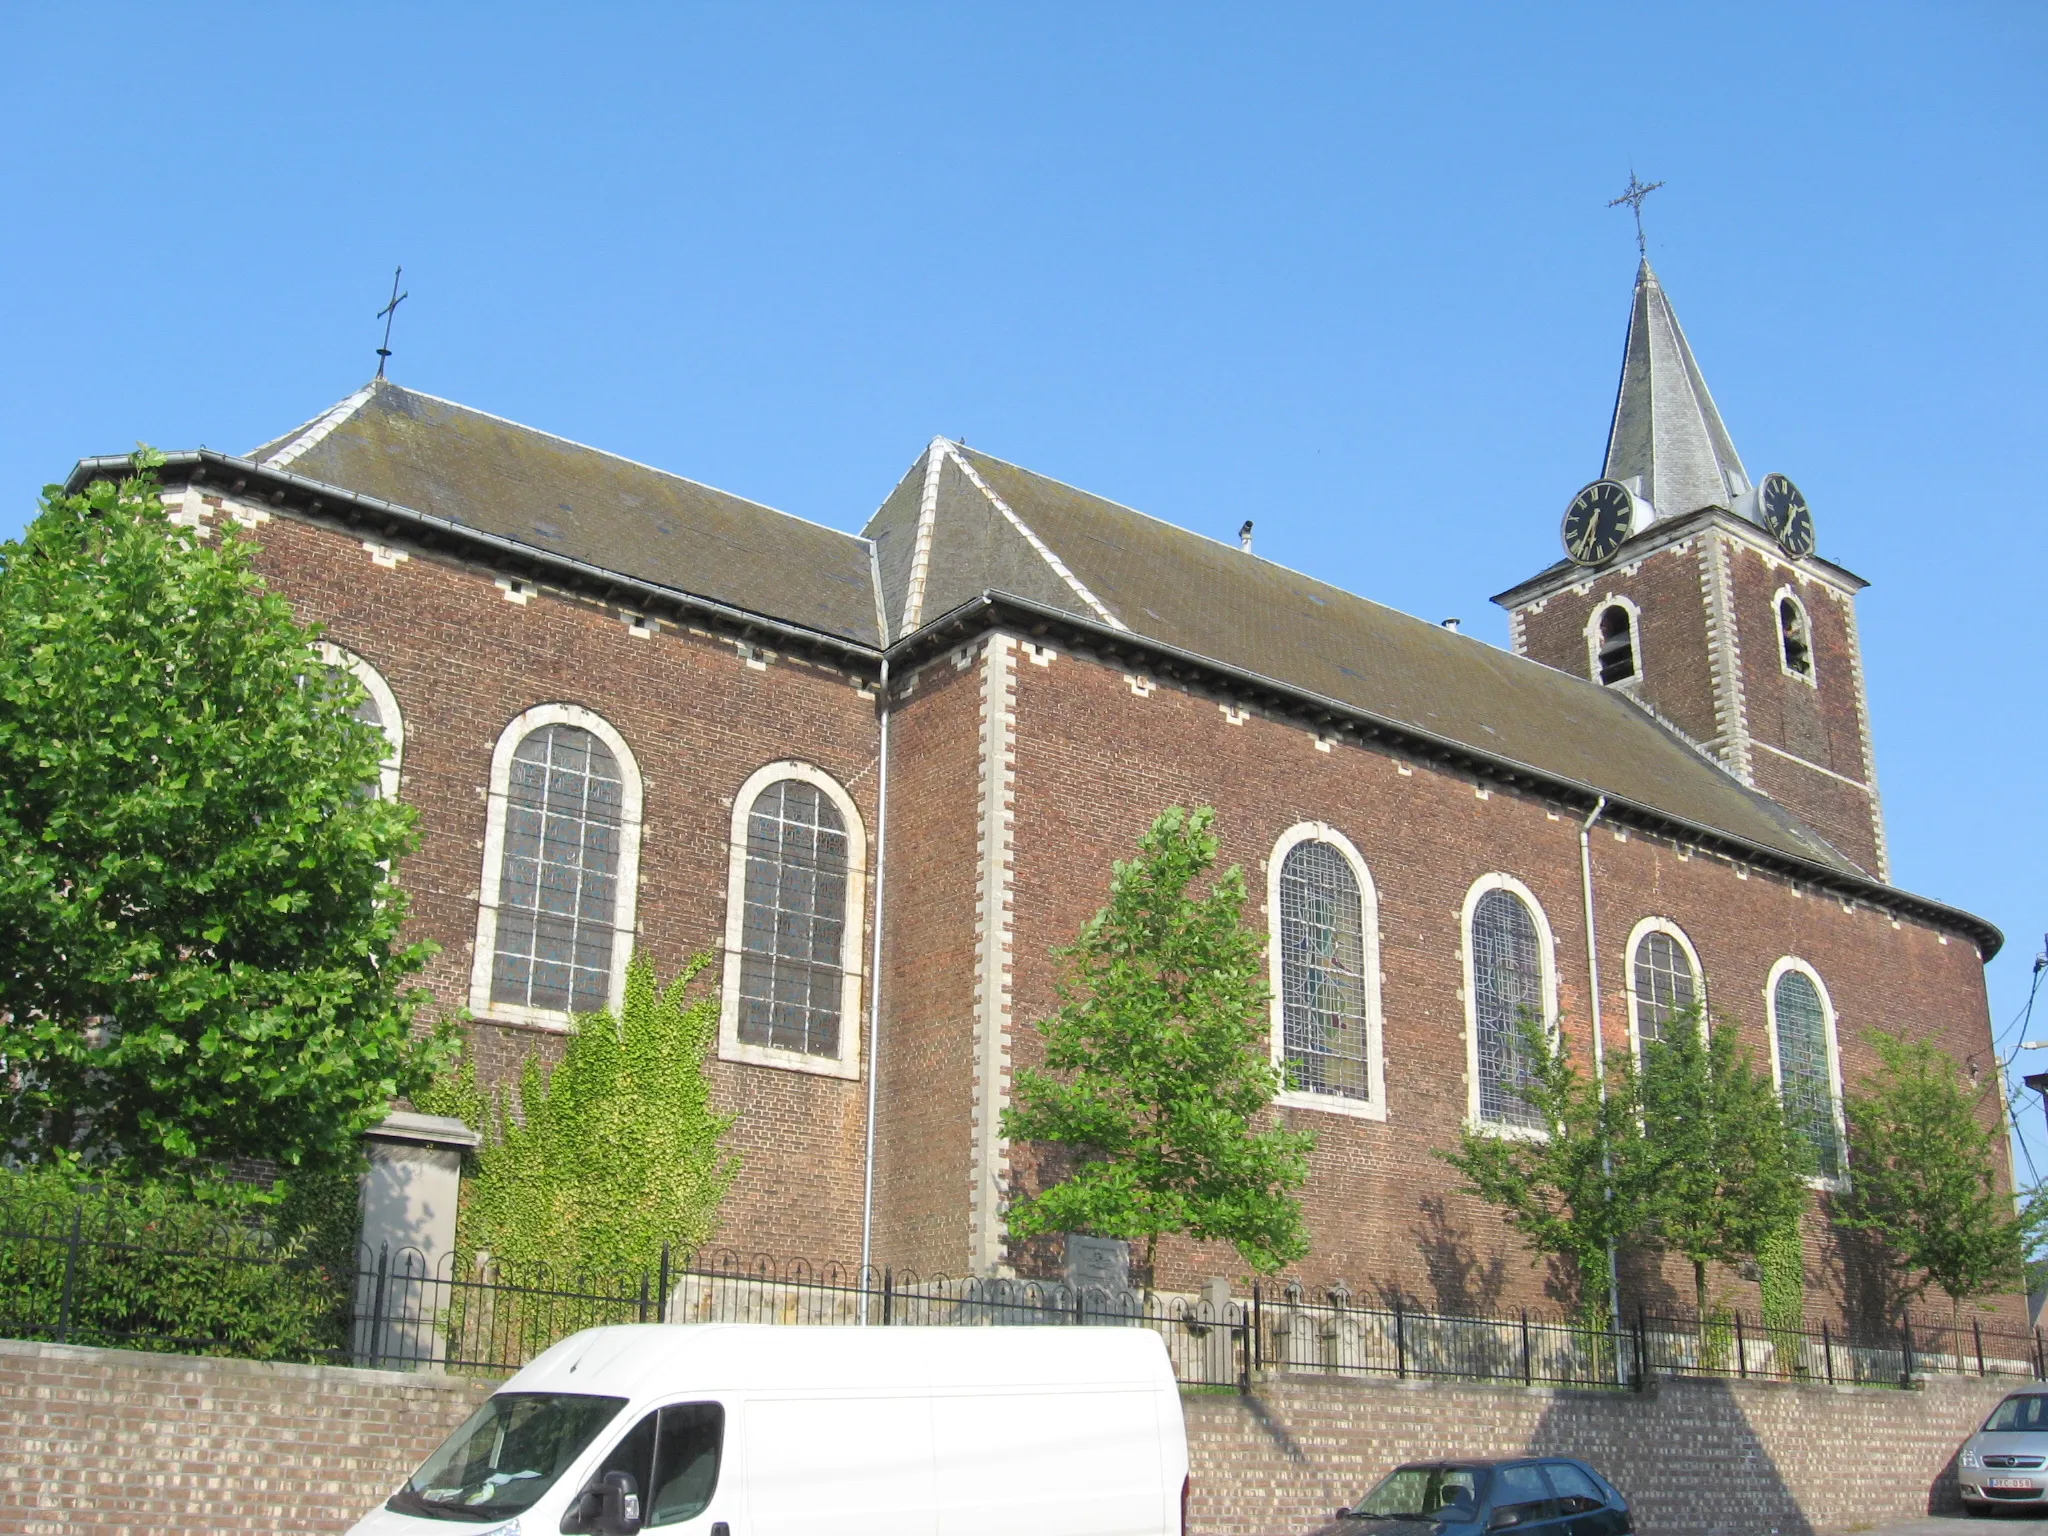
(1803, 1057)
(792, 975)
(1325, 950)
(1617, 653)
(1508, 967)
(561, 850)
(1795, 637)
(1663, 980)
(379, 708)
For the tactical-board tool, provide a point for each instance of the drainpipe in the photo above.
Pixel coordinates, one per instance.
(867, 1206)
(1599, 1045)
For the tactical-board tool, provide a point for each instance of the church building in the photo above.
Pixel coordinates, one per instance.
(881, 776)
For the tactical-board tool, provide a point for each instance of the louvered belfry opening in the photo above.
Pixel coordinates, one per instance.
(1617, 646)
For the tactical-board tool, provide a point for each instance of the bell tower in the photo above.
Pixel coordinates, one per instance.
(1698, 594)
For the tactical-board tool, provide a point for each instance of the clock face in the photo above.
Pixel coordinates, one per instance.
(1596, 522)
(1786, 514)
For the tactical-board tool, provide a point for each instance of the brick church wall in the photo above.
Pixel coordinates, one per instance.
(1097, 760)
(463, 661)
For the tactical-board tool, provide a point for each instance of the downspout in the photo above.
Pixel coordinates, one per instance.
(1599, 1045)
(874, 1063)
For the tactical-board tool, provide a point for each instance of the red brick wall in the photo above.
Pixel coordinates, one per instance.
(463, 661)
(1095, 763)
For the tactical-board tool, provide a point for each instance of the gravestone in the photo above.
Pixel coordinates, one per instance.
(409, 1192)
(1098, 1263)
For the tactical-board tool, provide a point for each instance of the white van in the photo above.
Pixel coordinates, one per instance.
(723, 1429)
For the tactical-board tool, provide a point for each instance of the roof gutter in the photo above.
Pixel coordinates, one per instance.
(990, 608)
(202, 463)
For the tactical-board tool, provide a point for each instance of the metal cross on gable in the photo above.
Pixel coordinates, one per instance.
(1634, 196)
(387, 314)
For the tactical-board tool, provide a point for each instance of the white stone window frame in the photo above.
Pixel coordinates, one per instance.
(1635, 638)
(847, 1063)
(1374, 1105)
(1790, 594)
(1637, 934)
(345, 660)
(1827, 1012)
(1546, 964)
(522, 726)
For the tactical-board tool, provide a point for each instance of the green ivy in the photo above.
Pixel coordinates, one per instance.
(609, 1156)
(1781, 1271)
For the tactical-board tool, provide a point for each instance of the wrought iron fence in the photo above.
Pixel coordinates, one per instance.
(97, 1276)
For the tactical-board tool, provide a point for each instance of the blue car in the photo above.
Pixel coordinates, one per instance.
(1550, 1495)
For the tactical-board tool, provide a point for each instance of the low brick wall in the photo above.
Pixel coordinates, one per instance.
(97, 1442)
(109, 1442)
(1695, 1457)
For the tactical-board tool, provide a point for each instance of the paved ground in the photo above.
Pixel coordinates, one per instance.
(1955, 1525)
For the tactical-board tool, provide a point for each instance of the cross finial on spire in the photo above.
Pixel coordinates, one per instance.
(387, 314)
(1634, 196)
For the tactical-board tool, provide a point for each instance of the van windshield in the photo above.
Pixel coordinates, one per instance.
(507, 1455)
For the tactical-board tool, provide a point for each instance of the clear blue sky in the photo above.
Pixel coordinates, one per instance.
(1342, 269)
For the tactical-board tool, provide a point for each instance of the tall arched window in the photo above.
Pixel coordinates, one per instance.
(1663, 980)
(1508, 968)
(1803, 1058)
(1325, 951)
(379, 708)
(561, 850)
(1617, 653)
(1795, 637)
(792, 975)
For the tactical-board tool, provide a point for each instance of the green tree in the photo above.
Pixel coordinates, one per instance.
(613, 1153)
(1923, 1177)
(1156, 1070)
(199, 952)
(1722, 1173)
(1574, 1190)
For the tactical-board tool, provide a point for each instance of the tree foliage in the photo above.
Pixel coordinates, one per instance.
(1923, 1177)
(1572, 1190)
(1156, 1070)
(613, 1153)
(1722, 1172)
(199, 953)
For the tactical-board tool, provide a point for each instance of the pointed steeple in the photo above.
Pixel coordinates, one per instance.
(1667, 436)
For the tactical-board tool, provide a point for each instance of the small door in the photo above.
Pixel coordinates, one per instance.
(1523, 1504)
(1583, 1502)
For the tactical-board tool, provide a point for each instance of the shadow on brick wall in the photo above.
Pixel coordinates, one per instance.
(1686, 1456)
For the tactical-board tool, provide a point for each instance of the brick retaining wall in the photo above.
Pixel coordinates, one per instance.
(97, 1442)
(1695, 1457)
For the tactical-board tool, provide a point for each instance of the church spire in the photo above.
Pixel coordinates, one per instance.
(1667, 438)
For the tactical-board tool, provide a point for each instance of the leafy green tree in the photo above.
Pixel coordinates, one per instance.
(613, 1153)
(199, 953)
(1722, 1172)
(1574, 1190)
(1156, 1070)
(1923, 1177)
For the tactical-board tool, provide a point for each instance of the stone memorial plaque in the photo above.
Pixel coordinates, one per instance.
(1098, 1263)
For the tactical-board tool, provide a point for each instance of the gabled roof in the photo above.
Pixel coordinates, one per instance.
(977, 524)
(1667, 434)
(484, 472)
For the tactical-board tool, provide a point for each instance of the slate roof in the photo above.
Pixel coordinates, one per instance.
(992, 526)
(484, 472)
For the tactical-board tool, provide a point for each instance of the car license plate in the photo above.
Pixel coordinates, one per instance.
(2010, 1482)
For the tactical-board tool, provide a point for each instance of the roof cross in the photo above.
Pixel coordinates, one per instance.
(387, 314)
(1634, 196)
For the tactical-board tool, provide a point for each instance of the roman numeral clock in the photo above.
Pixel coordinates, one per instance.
(1598, 520)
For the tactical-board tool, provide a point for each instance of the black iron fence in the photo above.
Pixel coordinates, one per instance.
(82, 1276)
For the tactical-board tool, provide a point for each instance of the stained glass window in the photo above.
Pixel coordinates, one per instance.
(1322, 974)
(558, 892)
(793, 927)
(1507, 980)
(1665, 985)
(1806, 1082)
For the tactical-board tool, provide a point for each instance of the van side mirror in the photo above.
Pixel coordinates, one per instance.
(610, 1507)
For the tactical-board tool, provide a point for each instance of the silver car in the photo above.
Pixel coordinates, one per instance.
(2006, 1462)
